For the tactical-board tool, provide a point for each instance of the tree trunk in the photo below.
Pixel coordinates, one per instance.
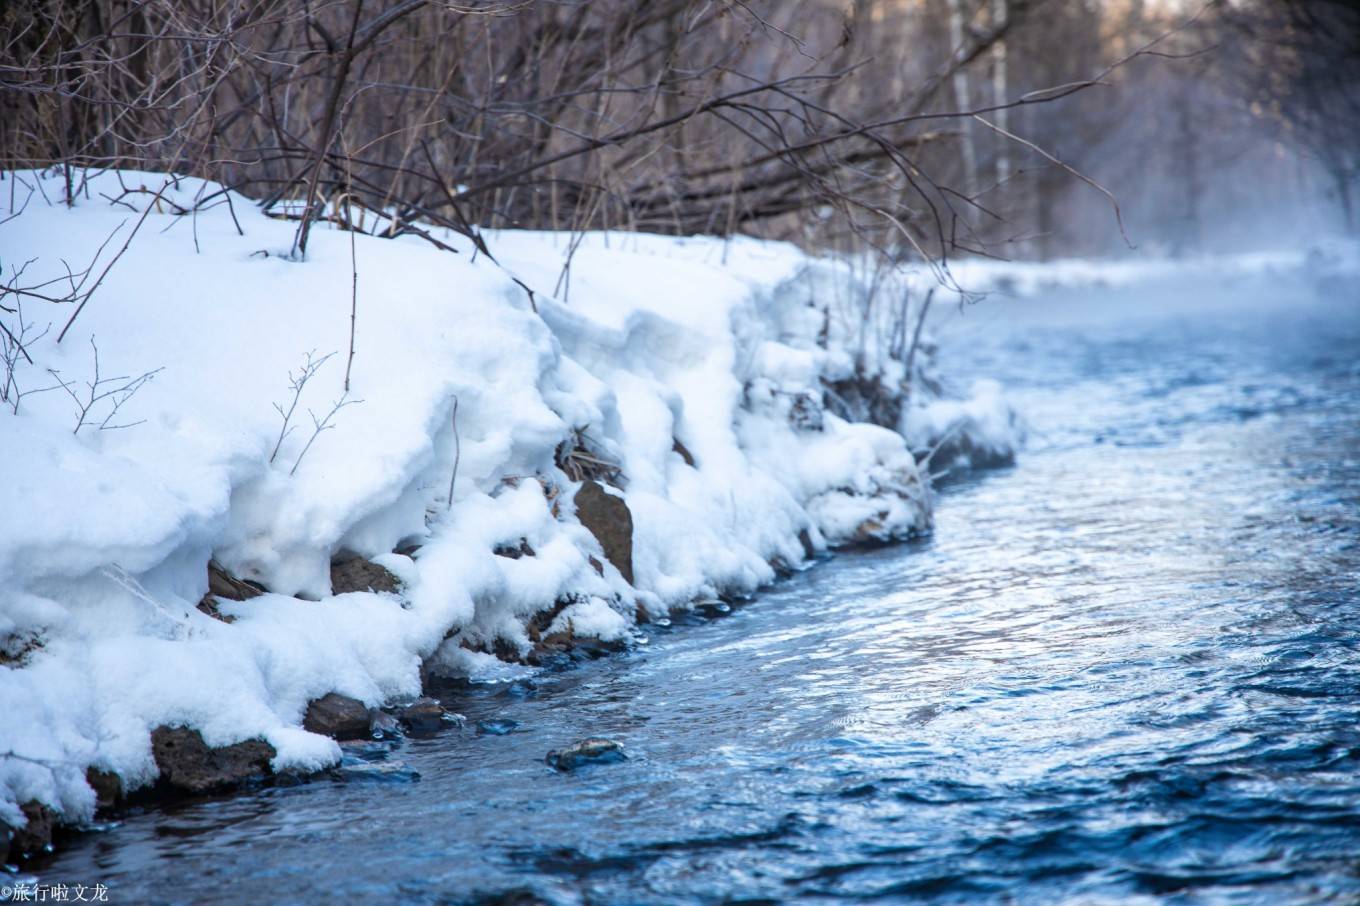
(962, 97)
(999, 89)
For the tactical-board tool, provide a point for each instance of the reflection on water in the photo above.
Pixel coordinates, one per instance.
(1123, 671)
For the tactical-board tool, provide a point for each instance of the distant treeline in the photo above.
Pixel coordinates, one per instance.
(913, 126)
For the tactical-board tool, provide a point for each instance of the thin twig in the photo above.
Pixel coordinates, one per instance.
(296, 384)
(457, 453)
(320, 425)
(105, 272)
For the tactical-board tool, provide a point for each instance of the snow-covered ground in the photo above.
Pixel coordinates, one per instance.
(689, 375)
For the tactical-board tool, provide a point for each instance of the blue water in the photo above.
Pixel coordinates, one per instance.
(1124, 671)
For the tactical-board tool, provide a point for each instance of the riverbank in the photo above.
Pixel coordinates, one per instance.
(1121, 672)
(243, 483)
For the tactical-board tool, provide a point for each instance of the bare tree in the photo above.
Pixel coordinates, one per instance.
(846, 124)
(1300, 62)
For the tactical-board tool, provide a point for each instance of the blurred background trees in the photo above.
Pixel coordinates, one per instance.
(1298, 62)
(917, 127)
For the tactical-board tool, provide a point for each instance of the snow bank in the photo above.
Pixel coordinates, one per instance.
(1327, 258)
(691, 372)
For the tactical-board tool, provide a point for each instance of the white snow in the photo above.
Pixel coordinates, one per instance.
(106, 534)
(977, 431)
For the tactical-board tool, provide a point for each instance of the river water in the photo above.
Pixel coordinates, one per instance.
(1123, 671)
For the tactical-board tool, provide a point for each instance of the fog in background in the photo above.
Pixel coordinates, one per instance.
(1222, 126)
(917, 128)
(1214, 146)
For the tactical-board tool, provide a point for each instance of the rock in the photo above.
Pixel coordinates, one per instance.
(579, 647)
(872, 531)
(354, 573)
(424, 715)
(563, 644)
(595, 750)
(107, 786)
(223, 584)
(805, 539)
(496, 727)
(610, 521)
(680, 448)
(34, 837)
(382, 725)
(208, 605)
(957, 447)
(337, 716)
(514, 551)
(538, 624)
(4, 844)
(188, 764)
(712, 609)
(505, 650)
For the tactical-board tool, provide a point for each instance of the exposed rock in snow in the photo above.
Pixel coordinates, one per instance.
(514, 551)
(337, 716)
(350, 572)
(32, 835)
(107, 786)
(979, 432)
(222, 584)
(188, 764)
(683, 452)
(608, 518)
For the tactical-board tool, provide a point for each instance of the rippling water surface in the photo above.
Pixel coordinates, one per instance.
(1123, 671)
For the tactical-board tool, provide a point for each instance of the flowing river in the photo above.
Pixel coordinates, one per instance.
(1126, 670)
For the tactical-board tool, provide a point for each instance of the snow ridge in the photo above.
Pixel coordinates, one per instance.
(687, 373)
